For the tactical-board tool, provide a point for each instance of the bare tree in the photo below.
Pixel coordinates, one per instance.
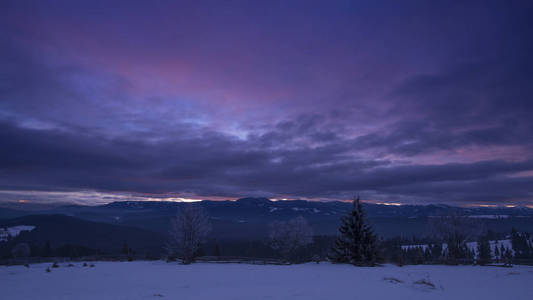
(21, 250)
(188, 230)
(287, 237)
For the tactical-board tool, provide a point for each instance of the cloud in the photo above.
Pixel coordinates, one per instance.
(212, 164)
(318, 102)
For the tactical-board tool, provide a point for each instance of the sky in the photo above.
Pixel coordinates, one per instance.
(412, 102)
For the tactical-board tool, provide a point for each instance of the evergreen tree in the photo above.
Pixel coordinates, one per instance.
(125, 249)
(217, 249)
(521, 244)
(484, 252)
(357, 243)
(496, 252)
(508, 256)
(419, 255)
(436, 252)
(47, 250)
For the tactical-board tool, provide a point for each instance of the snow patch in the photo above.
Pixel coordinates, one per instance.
(471, 245)
(489, 216)
(13, 231)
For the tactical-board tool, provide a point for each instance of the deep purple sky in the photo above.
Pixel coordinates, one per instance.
(399, 101)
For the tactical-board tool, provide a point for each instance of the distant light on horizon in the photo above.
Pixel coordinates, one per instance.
(188, 200)
(390, 203)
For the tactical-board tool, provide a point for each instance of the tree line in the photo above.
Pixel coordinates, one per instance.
(293, 241)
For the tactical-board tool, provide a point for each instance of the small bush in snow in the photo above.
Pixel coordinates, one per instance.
(392, 280)
(21, 250)
(55, 265)
(91, 265)
(85, 264)
(316, 258)
(425, 282)
(27, 265)
(48, 270)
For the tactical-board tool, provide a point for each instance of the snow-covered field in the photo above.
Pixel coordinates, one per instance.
(155, 280)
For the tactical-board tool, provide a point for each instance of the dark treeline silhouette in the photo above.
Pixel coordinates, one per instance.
(292, 241)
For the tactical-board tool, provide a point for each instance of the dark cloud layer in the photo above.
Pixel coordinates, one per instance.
(416, 102)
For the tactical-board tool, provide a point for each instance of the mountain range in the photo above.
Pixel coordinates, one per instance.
(145, 224)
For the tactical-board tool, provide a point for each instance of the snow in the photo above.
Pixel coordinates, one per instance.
(424, 246)
(14, 231)
(471, 245)
(489, 216)
(314, 210)
(152, 280)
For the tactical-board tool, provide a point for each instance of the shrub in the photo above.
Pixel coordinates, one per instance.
(21, 250)
(316, 258)
(392, 280)
(425, 282)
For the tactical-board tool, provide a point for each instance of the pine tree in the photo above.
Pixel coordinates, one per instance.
(47, 250)
(217, 249)
(508, 256)
(497, 252)
(357, 243)
(125, 249)
(484, 252)
(520, 243)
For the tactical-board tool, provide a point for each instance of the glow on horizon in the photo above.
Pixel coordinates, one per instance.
(390, 203)
(89, 197)
(179, 199)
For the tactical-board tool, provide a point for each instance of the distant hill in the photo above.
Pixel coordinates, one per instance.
(63, 230)
(7, 213)
(249, 217)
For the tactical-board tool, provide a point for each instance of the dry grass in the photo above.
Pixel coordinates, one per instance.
(392, 280)
(425, 282)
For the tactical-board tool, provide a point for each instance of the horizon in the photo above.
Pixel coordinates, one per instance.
(404, 103)
(39, 204)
